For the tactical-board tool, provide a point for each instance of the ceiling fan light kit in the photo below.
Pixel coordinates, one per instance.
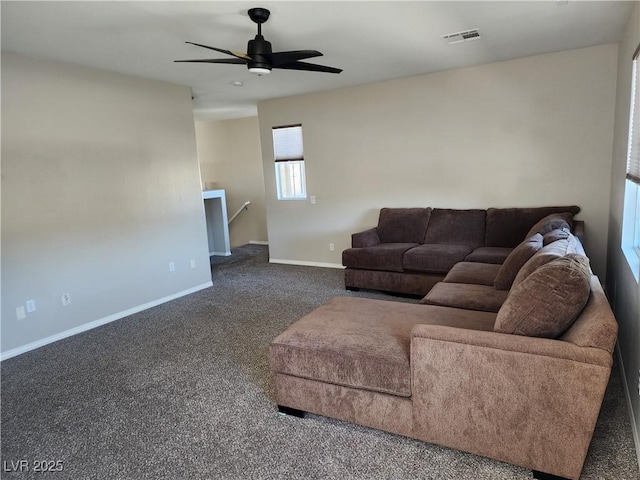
(260, 59)
(260, 70)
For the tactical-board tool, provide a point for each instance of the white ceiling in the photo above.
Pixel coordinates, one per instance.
(370, 40)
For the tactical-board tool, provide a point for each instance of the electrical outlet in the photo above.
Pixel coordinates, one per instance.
(172, 267)
(31, 306)
(65, 299)
(20, 313)
(312, 199)
(192, 263)
(332, 247)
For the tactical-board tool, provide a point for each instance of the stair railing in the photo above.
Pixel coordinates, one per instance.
(243, 207)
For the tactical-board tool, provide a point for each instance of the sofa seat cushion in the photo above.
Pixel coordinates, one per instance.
(386, 256)
(434, 258)
(473, 272)
(469, 296)
(489, 255)
(548, 301)
(362, 343)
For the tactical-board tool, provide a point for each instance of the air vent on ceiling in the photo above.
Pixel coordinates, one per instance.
(464, 36)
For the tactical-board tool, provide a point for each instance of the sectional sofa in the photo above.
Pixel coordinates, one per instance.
(519, 378)
(411, 249)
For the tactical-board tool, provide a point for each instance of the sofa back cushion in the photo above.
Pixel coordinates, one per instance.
(507, 227)
(516, 259)
(456, 227)
(548, 301)
(403, 225)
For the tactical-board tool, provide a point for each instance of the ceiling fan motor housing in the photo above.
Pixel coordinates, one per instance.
(259, 50)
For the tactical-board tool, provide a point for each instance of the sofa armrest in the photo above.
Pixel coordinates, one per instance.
(528, 401)
(514, 343)
(367, 238)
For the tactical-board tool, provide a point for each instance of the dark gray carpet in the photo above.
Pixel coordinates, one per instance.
(184, 391)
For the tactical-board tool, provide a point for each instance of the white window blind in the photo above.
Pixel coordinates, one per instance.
(288, 153)
(633, 152)
(287, 143)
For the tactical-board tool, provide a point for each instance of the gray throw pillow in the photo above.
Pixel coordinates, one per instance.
(549, 300)
(554, 235)
(555, 221)
(516, 259)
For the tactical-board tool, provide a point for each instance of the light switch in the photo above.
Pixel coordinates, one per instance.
(31, 306)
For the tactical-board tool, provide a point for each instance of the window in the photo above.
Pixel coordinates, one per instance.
(631, 218)
(289, 157)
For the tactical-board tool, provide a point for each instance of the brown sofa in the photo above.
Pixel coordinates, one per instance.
(411, 249)
(523, 384)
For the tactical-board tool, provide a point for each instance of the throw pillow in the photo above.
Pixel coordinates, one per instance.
(549, 300)
(516, 259)
(557, 234)
(550, 252)
(555, 221)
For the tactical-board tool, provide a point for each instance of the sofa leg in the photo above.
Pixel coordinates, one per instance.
(546, 476)
(294, 412)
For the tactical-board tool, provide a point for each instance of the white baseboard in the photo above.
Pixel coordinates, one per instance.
(258, 242)
(636, 435)
(220, 254)
(306, 264)
(96, 323)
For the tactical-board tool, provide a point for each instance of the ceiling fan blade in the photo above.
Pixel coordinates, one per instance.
(222, 50)
(215, 60)
(280, 58)
(312, 67)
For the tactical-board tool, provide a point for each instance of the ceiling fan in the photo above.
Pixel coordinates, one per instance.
(259, 57)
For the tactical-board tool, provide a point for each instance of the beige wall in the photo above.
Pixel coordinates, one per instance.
(230, 158)
(527, 132)
(623, 288)
(100, 191)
